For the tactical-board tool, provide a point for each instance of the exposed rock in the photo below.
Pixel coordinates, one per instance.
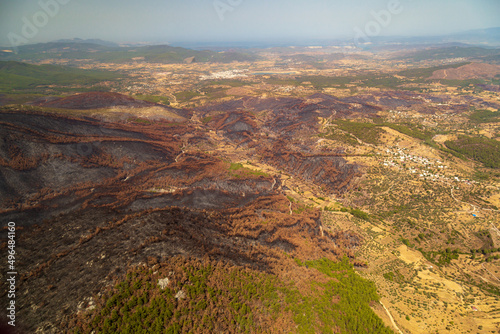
(180, 295)
(163, 282)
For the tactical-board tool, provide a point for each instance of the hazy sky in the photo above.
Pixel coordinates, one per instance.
(237, 20)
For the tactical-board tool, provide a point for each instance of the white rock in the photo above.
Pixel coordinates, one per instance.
(180, 295)
(163, 283)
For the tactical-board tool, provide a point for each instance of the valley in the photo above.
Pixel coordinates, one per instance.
(309, 177)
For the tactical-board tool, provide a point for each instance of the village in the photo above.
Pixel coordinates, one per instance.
(425, 168)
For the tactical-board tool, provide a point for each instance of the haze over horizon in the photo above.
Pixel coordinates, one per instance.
(175, 21)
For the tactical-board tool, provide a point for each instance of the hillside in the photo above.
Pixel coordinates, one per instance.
(117, 189)
(21, 77)
(469, 71)
(467, 52)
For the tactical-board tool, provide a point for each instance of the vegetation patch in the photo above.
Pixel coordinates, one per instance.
(358, 213)
(153, 98)
(208, 298)
(244, 171)
(412, 130)
(424, 73)
(18, 77)
(394, 276)
(366, 132)
(441, 257)
(341, 136)
(186, 96)
(485, 116)
(482, 149)
(351, 312)
(206, 120)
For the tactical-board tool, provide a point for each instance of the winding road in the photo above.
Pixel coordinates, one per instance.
(390, 317)
(474, 208)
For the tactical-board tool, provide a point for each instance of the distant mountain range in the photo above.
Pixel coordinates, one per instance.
(88, 41)
(97, 50)
(473, 43)
(481, 37)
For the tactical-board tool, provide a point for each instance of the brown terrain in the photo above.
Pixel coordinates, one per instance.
(279, 190)
(104, 100)
(246, 182)
(93, 100)
(122, 193)
(469, 71)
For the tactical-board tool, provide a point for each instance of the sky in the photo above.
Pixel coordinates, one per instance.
(176, 21)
